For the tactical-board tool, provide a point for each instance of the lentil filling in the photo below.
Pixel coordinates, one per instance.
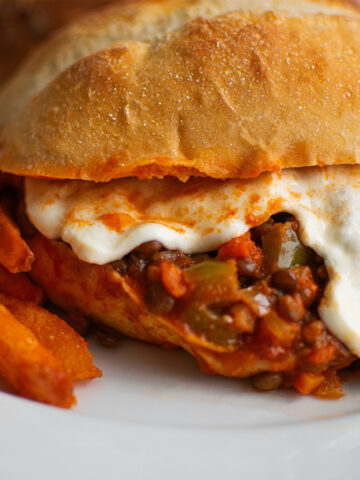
(259, 292)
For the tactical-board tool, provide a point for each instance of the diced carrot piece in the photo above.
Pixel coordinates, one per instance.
(173, 279)
(15, 255)
(18, 285)
(29, 367)
(330, 388)
(57, 336)
(240, 247)
(322, 355)
(307, 382)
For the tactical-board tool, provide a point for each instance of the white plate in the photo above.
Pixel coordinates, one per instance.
(153, 415)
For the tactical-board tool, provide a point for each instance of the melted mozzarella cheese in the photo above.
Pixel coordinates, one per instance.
(103, 222)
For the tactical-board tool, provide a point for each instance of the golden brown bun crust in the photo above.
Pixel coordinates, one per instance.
(225, 96)
(133, 20)
(101, 293)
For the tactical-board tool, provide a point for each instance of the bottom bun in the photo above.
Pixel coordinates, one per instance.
(105, 295)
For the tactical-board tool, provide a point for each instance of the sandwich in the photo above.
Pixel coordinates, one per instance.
(191, 178)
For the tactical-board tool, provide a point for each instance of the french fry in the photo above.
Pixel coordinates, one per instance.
(18, 285)
(15, 255)
(57, 336)
(32, 370)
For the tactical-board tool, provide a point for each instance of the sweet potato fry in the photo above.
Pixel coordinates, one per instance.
(15, 255)
(29, 367)
(18, 285)
(56, 335)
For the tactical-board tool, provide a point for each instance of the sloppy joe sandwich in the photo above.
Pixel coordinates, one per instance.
(191, 173)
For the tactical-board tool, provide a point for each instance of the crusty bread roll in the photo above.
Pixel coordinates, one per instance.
(202, 87)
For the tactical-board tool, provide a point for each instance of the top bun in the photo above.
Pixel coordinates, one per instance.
(220, 88)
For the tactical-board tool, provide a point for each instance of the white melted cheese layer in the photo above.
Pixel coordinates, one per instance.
(104, 222)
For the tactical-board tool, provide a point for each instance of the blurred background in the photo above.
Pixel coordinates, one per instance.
(26, 23)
